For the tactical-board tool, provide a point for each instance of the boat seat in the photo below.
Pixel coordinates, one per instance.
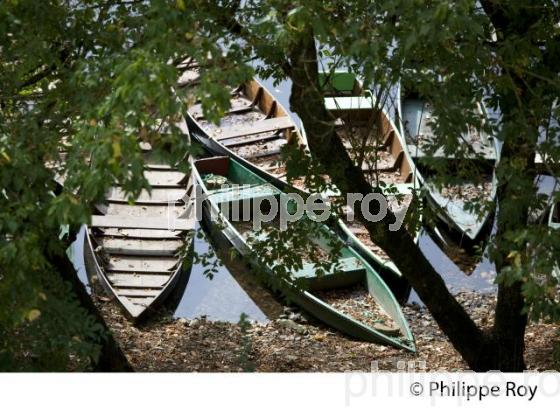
(487, 153)
(243, 192)
(346, 265)
(118, 221)
(259, 127)
(348, 103)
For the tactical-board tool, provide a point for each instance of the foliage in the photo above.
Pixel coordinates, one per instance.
(246, 345)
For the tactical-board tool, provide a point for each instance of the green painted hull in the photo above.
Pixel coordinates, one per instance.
(223, 232)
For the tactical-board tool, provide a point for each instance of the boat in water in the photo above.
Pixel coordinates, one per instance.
(259, 149)
(449, 202)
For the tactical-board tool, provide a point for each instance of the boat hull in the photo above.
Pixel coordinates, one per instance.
(460, 226)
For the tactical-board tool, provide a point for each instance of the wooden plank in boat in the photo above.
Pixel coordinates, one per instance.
(196, 110)
(246, 141)
(243, 193)
(152, 265)
(140, 233)
(117, 221)
(269, 125)
(158, 210)
(140, 247)
(137, 280)
(486, 152)
(139, 300)
(348, 103)
(157, 196)
(137, 292)
(262, 154)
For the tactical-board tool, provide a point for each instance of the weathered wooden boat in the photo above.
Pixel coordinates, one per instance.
(139, 251)
(416, 116)
(240, 185)
(371, 138)
(255, 128)
(244, 135)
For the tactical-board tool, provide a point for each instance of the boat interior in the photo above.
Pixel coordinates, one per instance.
(349, 271)
(367, 133)
(473, 177)
(133, 248)
(239, 184)
(418, 118)
(256, 127)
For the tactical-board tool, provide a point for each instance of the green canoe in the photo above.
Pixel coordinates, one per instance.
(351, 271)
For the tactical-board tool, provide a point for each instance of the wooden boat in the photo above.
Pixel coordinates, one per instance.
(351, 270)
(137, 251)
(255, 128)
(449, 203)
(245, 136)
(369, 135)
(372, 140)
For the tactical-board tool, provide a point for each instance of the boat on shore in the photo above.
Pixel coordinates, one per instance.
(449, 203)
(139, 251)
(225, 183)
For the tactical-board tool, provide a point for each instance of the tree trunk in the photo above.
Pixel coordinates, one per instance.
(112, 358)
(307, 101)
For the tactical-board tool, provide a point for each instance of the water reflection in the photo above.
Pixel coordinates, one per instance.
(480, 280)
(220, 298)
(76, 254)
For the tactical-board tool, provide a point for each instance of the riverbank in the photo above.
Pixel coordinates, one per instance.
(292, 343)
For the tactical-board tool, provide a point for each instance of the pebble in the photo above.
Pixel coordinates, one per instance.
(290, 324)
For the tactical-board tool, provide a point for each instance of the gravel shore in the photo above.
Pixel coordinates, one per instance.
(293, 343)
